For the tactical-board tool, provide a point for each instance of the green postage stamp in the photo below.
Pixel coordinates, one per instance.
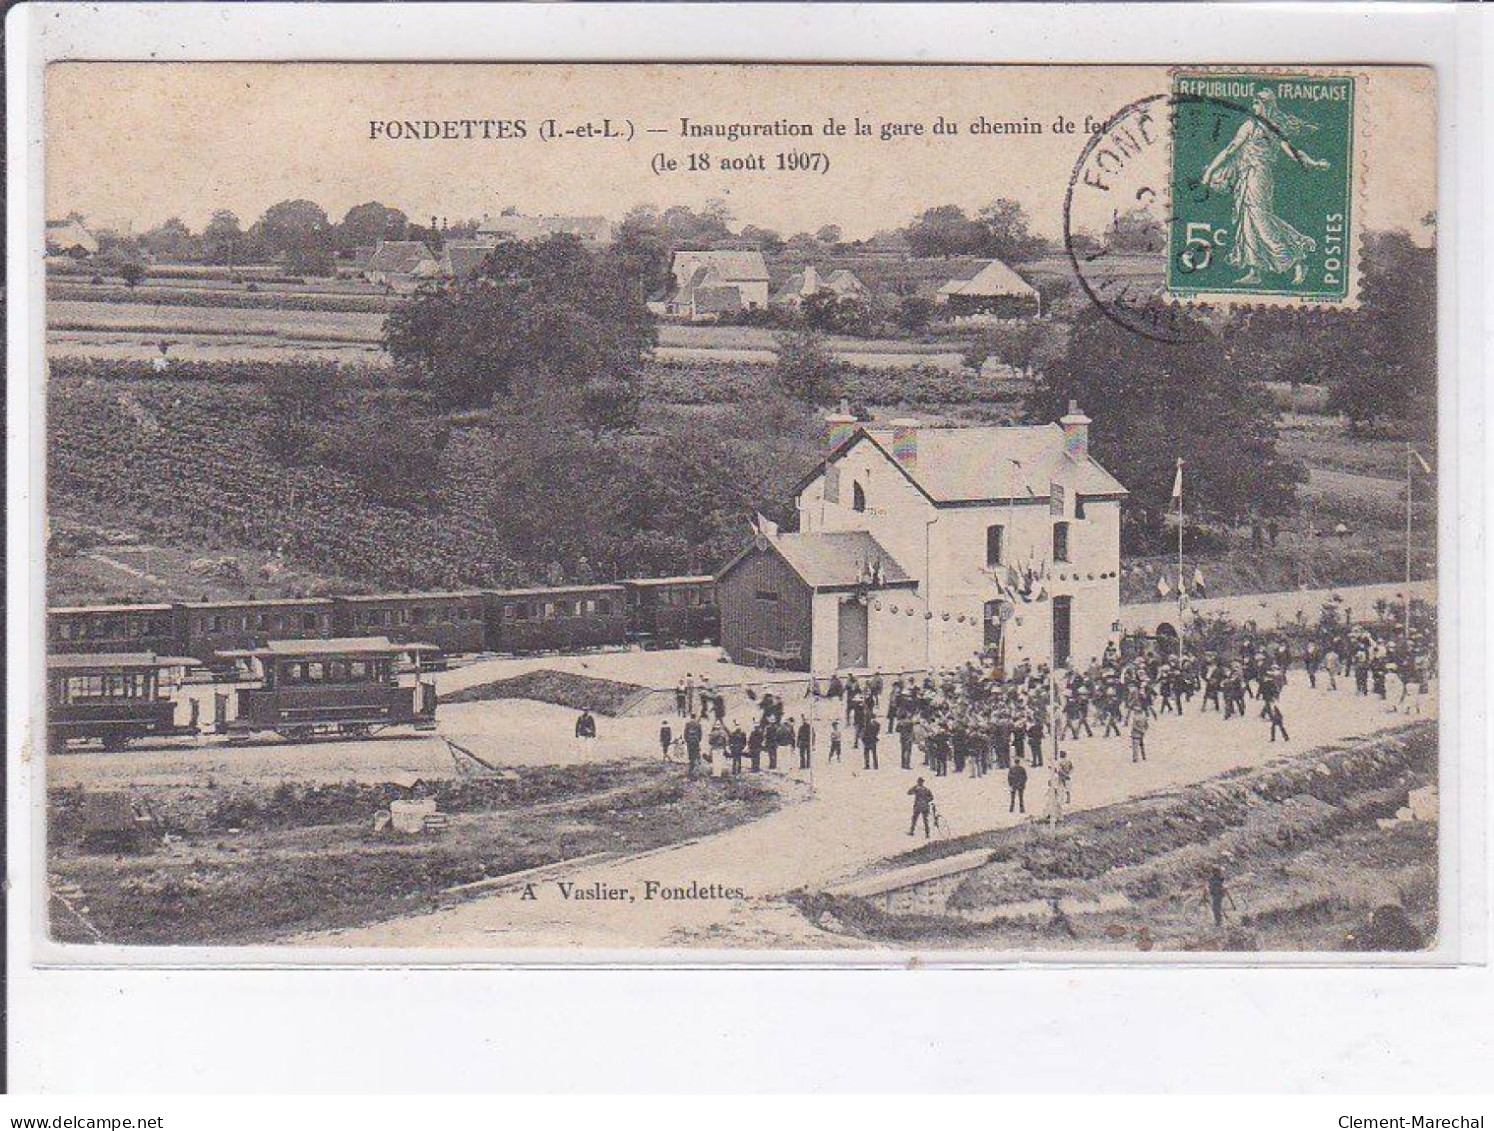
(1262, 184)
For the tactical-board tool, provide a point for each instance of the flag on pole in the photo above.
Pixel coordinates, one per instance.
(1199, 586)
(765, 526)
(1163, 588)
(1425, 467)
(1177, 482)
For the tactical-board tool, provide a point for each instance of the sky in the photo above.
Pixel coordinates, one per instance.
(132, 144)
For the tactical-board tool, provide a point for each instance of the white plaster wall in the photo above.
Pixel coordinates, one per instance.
(897, 639)
(825, 621)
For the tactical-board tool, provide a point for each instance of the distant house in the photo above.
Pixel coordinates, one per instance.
(989, 287)
(801, 284)
(514, 227)
(401, 265)
(708, 284)
(461, 259)
(70, 237)
(354, 266)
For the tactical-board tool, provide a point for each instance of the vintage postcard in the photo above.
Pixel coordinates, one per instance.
(767, 509)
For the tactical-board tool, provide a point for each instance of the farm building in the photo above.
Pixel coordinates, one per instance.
(513, 227)
(708, 284)
(461, 259)
(354, 264)
(801, 284)
(70, 237)
(401, 265)
(989, 287)
(1002, 541)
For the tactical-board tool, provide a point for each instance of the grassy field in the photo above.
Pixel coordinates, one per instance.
(257, 863)
(166, 319)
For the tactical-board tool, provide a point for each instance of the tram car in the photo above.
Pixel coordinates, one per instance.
(665, 612)
(115, 628)
(454, 622)
(112, 698)
(561, 619)
(347, 686)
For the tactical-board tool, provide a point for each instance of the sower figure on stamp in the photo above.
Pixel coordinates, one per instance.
(1263, 241)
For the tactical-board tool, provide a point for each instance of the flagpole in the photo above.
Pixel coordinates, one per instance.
(1408, 548)
(1182, 627)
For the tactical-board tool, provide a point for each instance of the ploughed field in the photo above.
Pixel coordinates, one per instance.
(256, 863)
(1310, 848)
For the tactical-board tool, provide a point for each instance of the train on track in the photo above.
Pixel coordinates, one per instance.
(661, 612)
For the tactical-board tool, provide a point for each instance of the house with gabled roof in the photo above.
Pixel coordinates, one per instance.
(988, 287)
(810, 281)
(708, 284)
(401, 265)
(462, 259)
(995, 542)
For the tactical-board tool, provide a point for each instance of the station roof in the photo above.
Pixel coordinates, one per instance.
(837, 559)
(257, 602)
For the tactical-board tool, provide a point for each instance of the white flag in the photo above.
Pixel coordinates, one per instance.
(1198, 580)
(1425, 467)
(1177, 482)
(766, 527)
(1163, 588)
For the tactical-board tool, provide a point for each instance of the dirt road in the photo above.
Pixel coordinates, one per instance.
(852, 818)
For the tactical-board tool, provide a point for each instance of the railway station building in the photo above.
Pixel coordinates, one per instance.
(922, 546)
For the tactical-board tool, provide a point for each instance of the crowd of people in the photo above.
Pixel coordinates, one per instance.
(977, 720)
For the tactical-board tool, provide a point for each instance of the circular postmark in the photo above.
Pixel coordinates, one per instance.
(1120, 212)
(1115, 217)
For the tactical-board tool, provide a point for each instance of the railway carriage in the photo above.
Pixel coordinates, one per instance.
(455, 622)
(112, 697)
(665, 612)
(345, 686)
(560, 619)
(213, 627)
(115, 628)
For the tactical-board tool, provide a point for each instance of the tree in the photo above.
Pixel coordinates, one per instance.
(172, 240)
(767, 240)
(1008, 235)
(945, 231)
(1381, 360)
(806, 369)
(540, 323)
(642, 250)
(1136, 230)
(221, 236)
(829, 235)
(299, 232)
(1153, 402)
(131, 271)
(914, 313)
(366, 224)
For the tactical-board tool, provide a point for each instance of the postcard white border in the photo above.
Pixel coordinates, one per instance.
(1449, 37)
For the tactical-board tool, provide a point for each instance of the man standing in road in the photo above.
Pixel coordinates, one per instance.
(806, 738)
(870, 731)
(693, 734)
(923, 801)
(666, 739)
(1016, 780)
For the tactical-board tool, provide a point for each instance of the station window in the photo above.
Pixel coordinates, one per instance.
(995, 545)
(316, 671)
(1079, 507)
(858, 497)
(768, 595)
(358, 669)
(1060, 541)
